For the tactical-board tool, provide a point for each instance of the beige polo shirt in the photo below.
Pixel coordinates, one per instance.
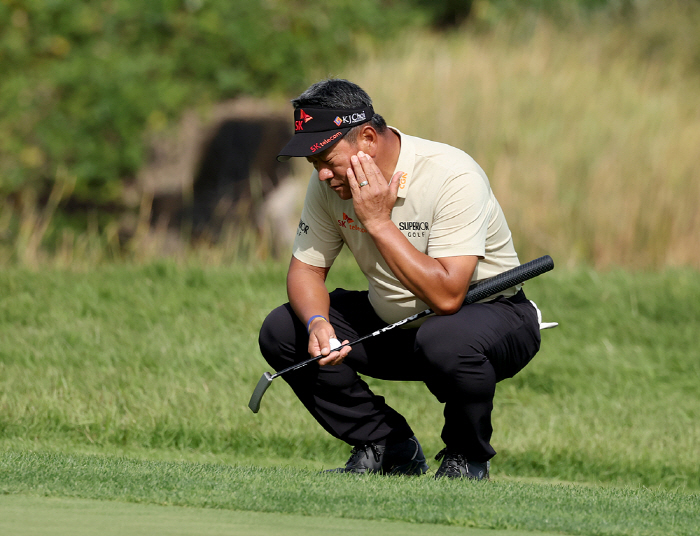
(445, 208)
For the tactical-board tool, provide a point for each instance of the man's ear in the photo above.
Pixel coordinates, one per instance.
(367, 140)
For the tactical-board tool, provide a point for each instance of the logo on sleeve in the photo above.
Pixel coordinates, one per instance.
(303, 228)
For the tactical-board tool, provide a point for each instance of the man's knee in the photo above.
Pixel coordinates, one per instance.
(439, 346)
(277, 335)
(455, 365)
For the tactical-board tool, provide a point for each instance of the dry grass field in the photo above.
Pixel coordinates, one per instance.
(589, 130)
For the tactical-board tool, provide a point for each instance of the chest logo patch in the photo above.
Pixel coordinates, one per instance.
(348, 223)
(414, 229)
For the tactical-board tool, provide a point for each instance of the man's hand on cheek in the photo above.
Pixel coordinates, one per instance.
(373, 196)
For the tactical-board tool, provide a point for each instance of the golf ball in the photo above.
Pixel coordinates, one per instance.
(335, 343)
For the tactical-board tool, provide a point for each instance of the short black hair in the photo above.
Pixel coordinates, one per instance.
(339, 93)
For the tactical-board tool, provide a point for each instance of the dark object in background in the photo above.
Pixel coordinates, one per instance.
(236, 171)
(446, 13)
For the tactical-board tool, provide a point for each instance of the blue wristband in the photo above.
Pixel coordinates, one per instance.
(308, 324)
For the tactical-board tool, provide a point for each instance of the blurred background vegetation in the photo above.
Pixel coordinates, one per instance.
(583, 112)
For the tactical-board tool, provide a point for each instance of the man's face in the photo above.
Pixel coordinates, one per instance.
(332, 166)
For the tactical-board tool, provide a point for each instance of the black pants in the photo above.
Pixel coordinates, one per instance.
(460, 358)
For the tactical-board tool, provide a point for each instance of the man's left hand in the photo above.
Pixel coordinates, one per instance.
(374, 200)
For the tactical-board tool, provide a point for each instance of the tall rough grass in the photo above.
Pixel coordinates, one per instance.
(589, 131)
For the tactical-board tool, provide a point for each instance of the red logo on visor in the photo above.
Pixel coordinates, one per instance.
(303, 118)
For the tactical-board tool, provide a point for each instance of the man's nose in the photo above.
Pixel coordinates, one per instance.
(325, 174)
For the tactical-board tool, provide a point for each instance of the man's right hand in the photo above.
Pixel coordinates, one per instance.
(320, 334)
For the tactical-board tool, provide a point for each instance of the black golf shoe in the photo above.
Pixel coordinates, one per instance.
(405, 458)
(455, 465)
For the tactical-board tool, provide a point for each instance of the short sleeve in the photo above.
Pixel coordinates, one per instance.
(318, 242)
(462, 216)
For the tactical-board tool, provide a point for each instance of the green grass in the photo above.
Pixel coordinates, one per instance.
(131, 384)
(159, 362)
(495, 505)
(29, 515)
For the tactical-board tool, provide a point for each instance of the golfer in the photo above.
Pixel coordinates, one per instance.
(423, 224)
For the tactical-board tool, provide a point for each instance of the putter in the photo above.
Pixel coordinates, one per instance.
(478, 291)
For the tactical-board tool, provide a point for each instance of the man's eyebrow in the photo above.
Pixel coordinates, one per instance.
(318, 158)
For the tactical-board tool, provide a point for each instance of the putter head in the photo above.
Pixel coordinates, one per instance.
(259, 391)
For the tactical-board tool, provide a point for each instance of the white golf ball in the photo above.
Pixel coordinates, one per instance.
(335, 343)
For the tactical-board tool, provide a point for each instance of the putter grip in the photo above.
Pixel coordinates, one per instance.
(501, 282)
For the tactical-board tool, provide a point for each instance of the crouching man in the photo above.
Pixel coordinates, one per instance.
(422, 223)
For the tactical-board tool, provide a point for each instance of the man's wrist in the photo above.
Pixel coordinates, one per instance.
(379, 227)
(313, 319)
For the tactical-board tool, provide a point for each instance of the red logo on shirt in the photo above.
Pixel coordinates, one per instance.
(346, 219)
(347, 223)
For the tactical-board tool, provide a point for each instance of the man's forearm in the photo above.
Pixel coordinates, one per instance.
(308, 296)
(307, 291)
(442, 284)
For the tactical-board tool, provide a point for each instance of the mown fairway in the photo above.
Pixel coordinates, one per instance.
(430, 504)
(158, 363)
(78, 517)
